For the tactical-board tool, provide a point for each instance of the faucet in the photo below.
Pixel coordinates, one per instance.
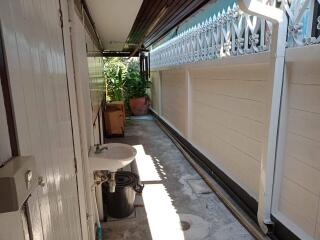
(99, 149)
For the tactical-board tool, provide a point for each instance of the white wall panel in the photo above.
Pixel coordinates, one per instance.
(82, 72)
(174, 99)
(297, 189)
(35, 56)
(5, 148)
(156, 92)
(228, 119)
(227, 114)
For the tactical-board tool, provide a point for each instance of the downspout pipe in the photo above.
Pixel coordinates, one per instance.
(277, 62)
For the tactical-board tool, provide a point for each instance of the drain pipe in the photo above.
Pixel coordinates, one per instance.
(99, 179)
(277, 53)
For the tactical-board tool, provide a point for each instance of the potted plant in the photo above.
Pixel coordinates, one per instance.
(114, 112)
(136, 90)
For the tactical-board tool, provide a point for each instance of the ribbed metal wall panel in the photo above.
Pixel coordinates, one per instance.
(37, 73)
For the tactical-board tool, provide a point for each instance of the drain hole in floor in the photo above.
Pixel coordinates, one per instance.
(185, 225)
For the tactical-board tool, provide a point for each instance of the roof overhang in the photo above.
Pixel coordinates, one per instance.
(113, 20)
(126, 26)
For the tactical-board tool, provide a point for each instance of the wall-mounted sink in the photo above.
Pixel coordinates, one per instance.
(111, 156)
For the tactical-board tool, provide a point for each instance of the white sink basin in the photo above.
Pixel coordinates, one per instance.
(116, 156)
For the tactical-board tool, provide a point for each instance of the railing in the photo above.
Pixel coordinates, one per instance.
(232, 33)
(304, 22)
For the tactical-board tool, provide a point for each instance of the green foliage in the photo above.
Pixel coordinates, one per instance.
(124, 80)
(135, 85)
(115, 72)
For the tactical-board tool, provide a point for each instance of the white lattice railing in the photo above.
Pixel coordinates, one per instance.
(304, 22)
(232, 32)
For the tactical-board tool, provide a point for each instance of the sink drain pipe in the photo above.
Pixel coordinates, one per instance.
(98, 180)
(99, 233)
(277, 62)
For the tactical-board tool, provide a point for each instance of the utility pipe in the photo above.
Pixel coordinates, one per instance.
(96, 212)
(277, 61)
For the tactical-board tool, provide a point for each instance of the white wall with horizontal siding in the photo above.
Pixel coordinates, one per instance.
(223, 105)
(174, 98)
(228, 119)
(221, 110)
(37, 73)
(156, 92)
(297, 192)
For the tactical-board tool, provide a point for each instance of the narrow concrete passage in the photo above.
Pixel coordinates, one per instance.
(176, 204)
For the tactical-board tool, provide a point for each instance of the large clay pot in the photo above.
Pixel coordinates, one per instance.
(139, 106)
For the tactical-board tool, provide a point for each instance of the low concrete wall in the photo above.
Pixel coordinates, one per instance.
(222, 108)
(297, 189)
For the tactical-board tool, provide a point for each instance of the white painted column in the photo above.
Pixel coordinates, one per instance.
(160, 94)
(74, 118)
(78, 113)
(277, 54)
(189, 105)
(269, 154)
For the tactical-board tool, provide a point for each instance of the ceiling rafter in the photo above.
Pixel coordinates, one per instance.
(145, 33)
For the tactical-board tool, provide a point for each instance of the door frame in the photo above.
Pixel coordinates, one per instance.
(66, 25)
(7, 99)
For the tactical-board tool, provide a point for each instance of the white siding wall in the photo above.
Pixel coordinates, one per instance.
(82, 72)
(224, 105)
(174, 99)
(156, 92)
(298, 172)
(228, 119)
(222, 112)
(37, 73)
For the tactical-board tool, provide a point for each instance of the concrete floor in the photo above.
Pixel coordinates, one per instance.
(173, 192)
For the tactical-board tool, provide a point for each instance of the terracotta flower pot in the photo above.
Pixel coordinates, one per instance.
(139, 106)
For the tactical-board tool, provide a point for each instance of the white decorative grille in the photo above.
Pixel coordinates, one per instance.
(232, 32)
(302, 30)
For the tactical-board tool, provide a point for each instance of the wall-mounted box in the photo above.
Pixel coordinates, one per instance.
(18, 178)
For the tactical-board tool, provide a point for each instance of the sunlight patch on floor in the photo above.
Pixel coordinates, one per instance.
(146, 167)
(164, 222)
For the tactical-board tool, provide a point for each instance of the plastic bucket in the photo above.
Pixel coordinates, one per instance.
(120, 204)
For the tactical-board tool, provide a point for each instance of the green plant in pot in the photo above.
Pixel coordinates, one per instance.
(136, 90)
